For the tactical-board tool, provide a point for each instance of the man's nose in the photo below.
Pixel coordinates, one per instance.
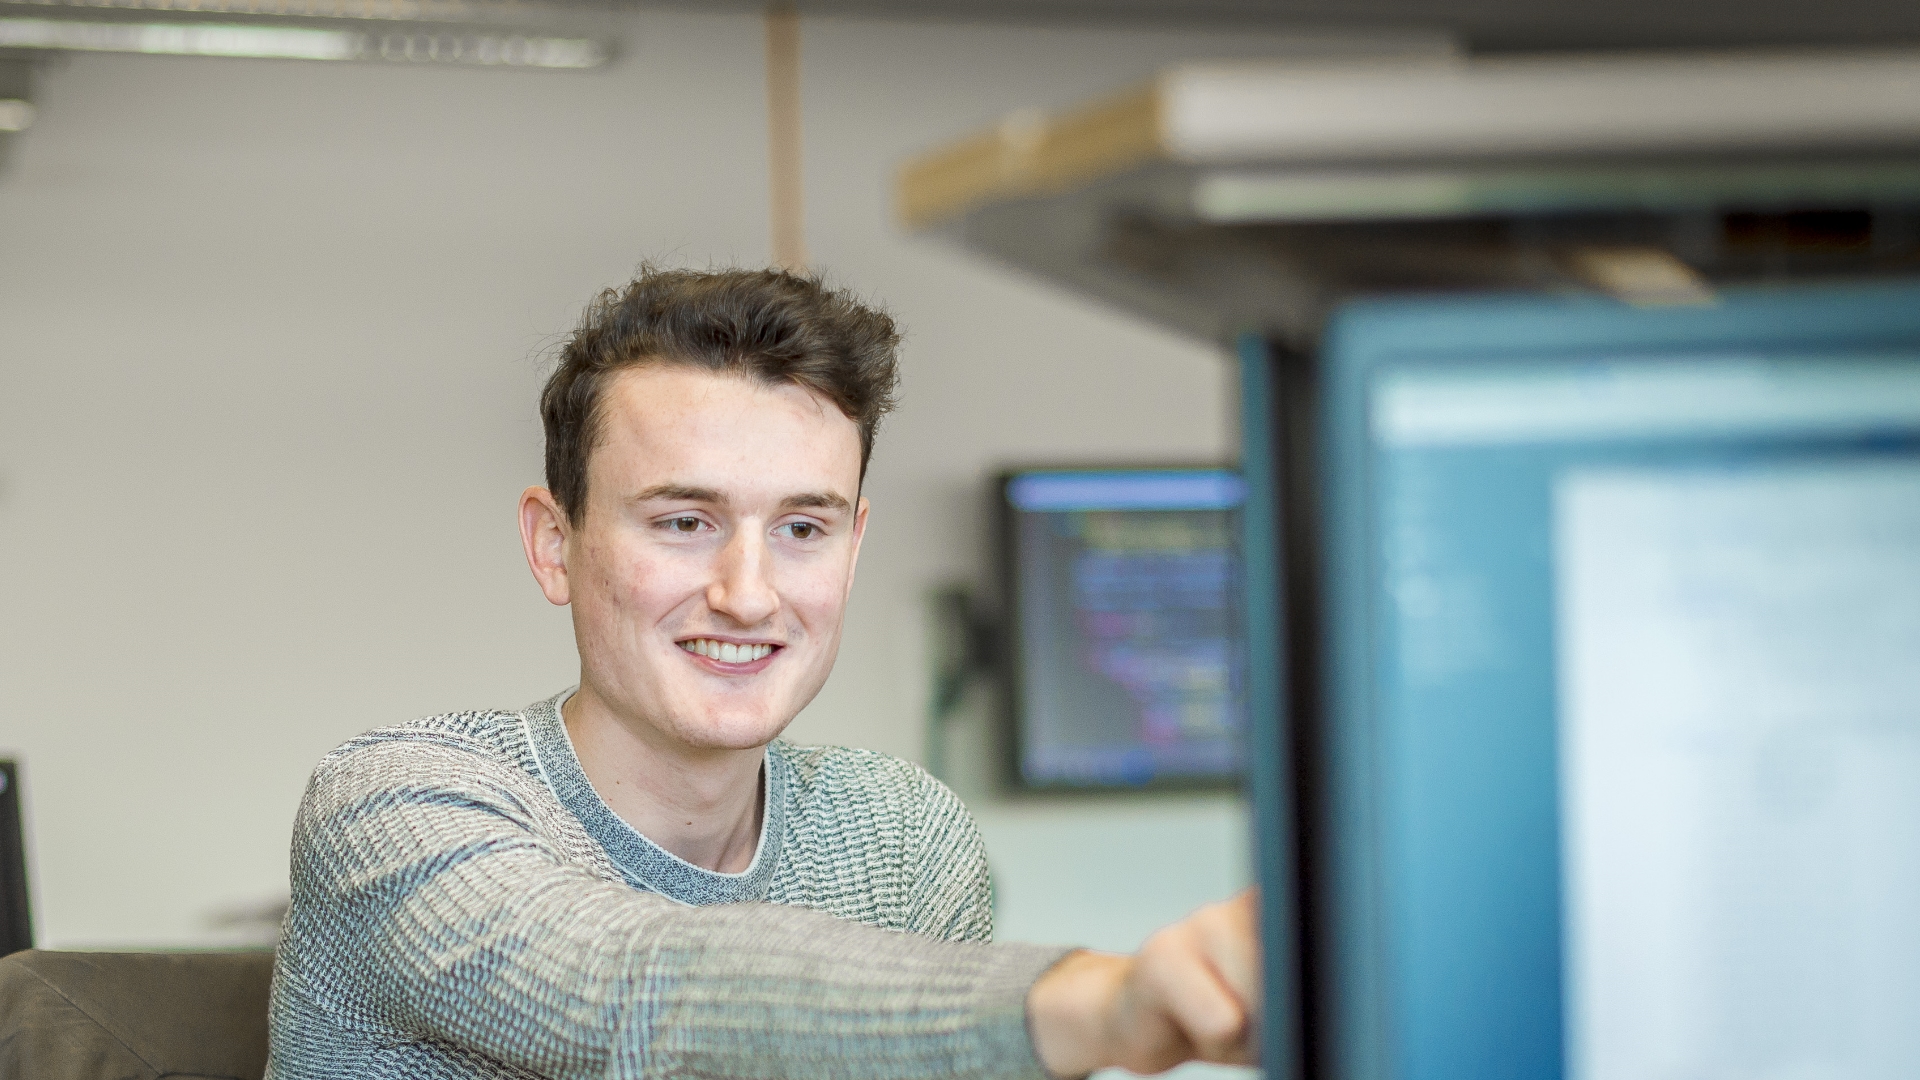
(742, 587)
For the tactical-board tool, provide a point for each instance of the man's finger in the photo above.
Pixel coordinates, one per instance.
(1231, 933)
(1205, 1008)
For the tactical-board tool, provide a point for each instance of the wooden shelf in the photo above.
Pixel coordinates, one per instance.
(1215, 196)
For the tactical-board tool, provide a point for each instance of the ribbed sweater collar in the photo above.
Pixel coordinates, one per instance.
(643, 863)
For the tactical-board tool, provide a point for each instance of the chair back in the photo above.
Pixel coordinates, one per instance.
(134, 1016)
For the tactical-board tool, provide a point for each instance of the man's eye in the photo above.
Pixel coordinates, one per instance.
(803, 530)
(684, 524)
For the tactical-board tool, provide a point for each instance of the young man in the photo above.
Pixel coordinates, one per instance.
(635, 877)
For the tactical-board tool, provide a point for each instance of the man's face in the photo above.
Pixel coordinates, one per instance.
(711, 569)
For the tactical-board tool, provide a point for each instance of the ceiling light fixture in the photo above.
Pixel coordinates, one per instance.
(479, 48)
(471, 11)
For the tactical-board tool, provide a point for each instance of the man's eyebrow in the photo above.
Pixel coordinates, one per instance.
(816, 500)
(679, 493)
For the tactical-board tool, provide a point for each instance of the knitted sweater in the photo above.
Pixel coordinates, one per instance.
(465, 905)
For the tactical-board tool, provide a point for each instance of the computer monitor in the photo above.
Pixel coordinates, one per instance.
(1126, 655)
(16, 928)
(1604, 634)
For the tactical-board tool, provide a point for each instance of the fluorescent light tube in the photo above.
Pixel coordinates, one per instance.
(180, 39)
(467, 11)
(487, 49)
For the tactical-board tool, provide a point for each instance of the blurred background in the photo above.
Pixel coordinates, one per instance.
(274, 312)
(271, 334)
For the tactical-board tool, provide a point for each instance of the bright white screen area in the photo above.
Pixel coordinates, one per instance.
(1739, 657)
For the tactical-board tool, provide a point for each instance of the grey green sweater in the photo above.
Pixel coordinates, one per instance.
(465, 905)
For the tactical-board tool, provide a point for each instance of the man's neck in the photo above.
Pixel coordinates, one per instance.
(701, 805)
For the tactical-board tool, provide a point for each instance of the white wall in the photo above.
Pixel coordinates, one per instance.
(269, 340)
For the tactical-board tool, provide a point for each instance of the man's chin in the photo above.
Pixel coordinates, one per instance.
(732, 732)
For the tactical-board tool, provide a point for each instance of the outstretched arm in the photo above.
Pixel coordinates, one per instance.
(432, 904)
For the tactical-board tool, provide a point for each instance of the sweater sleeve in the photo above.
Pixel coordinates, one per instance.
(430, 905)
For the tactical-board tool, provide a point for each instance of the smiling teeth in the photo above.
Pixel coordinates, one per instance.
(725, 651)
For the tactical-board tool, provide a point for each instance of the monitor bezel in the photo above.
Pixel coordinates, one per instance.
(16, 921)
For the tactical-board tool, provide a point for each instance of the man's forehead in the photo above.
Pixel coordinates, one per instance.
(667, 393)
(667, 424)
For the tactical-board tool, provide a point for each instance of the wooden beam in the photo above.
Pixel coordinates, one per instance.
(785, 157)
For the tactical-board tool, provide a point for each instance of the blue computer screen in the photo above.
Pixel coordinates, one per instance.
(1125, 587)
(1626, 705)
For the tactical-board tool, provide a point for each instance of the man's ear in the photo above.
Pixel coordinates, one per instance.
(859, 533)
(543, 532)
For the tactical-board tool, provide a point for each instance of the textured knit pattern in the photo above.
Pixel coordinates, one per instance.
(464, 905)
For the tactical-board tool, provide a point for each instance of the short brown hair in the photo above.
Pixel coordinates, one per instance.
(772, 326)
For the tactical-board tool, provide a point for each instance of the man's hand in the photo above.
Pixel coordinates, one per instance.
(1192, 993)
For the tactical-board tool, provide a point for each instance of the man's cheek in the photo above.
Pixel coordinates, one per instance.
(655, 585)
(826, 592)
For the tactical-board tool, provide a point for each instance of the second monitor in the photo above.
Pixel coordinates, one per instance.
(1126, 654)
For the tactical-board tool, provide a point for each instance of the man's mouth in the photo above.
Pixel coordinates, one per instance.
(726, 651)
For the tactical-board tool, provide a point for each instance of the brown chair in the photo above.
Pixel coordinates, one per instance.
(134, 1016)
